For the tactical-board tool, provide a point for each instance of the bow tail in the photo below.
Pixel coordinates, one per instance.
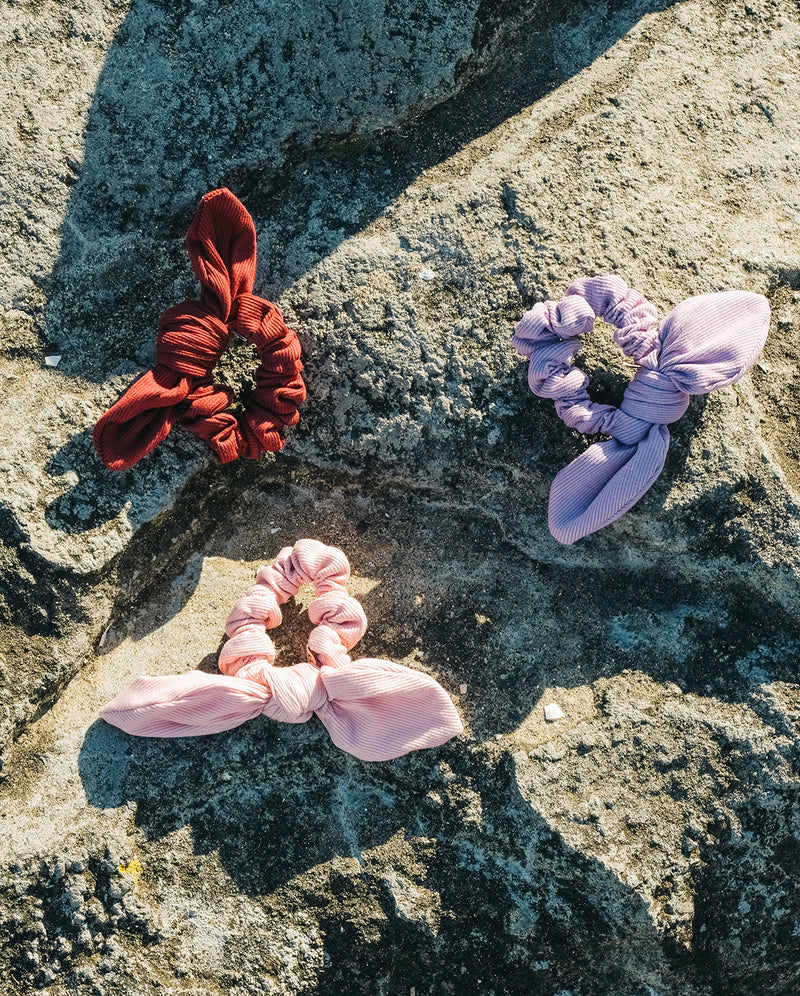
(141, 419)
(379, 710)
(603, 483)
(185, 705)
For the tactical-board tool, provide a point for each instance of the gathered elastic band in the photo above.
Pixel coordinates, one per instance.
(192, 337)
(705, 343)
(375, 709)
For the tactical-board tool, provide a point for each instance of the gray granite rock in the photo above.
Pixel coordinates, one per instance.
(126, 115)
(615, 849)
(644, 843)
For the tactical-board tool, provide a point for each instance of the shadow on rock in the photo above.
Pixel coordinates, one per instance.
(95, 496)
(432, 857)
(737, 917)
(414, 868)
(189, 99)
(249, 97)
(447, 591)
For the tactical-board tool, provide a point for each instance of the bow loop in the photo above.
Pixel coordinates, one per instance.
(603, 483)
(185, 705)
(711, 341)
(379, 710)
(221, 242)
(139, 421)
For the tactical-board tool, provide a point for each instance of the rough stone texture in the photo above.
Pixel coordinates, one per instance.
(117, 119)
(648, 839)
(646, 843)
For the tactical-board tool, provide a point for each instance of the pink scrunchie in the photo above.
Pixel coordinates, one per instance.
(374, 709)
(705, 343)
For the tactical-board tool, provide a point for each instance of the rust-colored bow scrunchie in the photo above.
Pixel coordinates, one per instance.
(192, 337)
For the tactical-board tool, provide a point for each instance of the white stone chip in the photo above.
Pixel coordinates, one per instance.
(427, 274)
(52, 361)
(552, 712)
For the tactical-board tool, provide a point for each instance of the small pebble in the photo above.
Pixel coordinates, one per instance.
(552, 712)
(426, 274)
(52, 361)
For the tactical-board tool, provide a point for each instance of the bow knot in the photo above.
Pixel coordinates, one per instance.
(653, 398)
(297, 692)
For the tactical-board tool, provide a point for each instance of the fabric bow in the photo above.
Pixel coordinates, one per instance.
(705, 343)
(374, 709)
(192, 337)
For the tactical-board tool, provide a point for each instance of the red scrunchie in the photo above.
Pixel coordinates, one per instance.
(192, 337)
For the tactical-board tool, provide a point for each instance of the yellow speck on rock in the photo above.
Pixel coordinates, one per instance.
(133, 867)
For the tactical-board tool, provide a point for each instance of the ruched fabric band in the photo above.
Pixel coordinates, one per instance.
(374, 709)
(705, 343)
(192, 337)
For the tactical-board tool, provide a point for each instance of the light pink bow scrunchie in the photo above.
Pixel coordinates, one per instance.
(374, 709)
(705, 343)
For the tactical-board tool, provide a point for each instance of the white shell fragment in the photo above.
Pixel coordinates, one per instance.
(552, 712)
(462, 689)
(52, 361)
(426, 274)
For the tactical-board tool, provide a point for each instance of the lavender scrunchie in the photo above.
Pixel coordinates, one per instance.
(705, 343)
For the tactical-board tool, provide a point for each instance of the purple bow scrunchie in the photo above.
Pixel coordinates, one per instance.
(705, 343)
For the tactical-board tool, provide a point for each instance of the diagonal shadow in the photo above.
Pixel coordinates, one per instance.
(166, 125)
(285, 832)
(282, 808)
(482, 613)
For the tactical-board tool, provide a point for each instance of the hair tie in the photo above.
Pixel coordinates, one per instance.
(705, 343)
(374, 709)
(192, 337)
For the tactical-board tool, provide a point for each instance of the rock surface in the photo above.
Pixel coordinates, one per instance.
(419, 175)
(127, 114)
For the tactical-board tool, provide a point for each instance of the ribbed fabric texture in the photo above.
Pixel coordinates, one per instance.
(374, 709)
(705, 343)
(192, 337)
